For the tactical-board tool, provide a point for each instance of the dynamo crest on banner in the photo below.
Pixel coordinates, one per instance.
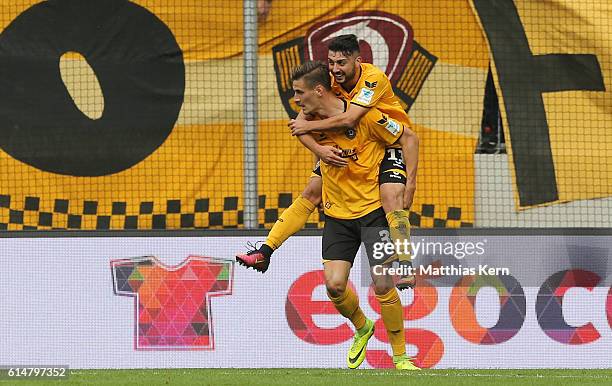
(385, 40)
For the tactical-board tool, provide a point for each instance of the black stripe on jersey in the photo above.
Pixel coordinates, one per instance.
(357, 104)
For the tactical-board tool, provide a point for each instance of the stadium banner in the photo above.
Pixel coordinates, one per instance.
(483, 301)
(124, 119)
(554, 81)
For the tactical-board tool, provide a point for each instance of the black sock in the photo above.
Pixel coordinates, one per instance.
(266, 250)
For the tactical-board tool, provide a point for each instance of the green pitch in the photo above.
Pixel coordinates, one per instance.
(327, 377)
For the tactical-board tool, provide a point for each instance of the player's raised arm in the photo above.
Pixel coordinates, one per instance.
(391, 131)
(349, 118)
(363, 85)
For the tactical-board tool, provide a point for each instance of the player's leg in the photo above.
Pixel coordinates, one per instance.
(393, 317)
(390, 305)
(392, 180)
(296, 215)
(292, 220)
(344, 299)
(341, 241)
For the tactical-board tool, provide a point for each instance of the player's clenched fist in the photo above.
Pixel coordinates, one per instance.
(299, 126)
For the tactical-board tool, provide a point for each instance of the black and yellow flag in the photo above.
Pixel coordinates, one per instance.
(101, 120)
(553, 70)
(122, 114)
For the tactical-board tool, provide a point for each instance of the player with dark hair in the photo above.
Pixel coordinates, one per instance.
(353, 207)
(365, 86)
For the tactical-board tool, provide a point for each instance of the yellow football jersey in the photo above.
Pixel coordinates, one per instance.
(373, 89)
(351, 192)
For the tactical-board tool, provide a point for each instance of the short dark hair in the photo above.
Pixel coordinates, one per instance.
(314, 72)
(347, 44)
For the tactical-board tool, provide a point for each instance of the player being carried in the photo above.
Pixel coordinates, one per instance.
(365, 86)
(353, 209)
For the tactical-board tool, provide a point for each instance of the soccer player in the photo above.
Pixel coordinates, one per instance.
(352, 206)
(365, 86)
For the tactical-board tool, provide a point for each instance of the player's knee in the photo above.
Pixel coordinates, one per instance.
(313, 193)
(392, 197)
(335, 288)
(383, 286)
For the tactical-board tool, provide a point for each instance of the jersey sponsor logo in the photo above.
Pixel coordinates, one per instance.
(385, 40)
(349, 153)
(365, 96)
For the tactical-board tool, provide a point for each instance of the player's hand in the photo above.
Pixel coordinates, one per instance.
(409, 194)
(331, 156)
(299, 126)
(320, 207)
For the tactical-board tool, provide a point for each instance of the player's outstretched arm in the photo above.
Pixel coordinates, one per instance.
(349, 118)
(410, 147)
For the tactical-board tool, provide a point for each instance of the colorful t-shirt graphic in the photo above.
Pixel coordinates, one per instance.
(173, 303)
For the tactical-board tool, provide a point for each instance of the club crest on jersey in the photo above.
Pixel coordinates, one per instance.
(350, 133)
(406, 62)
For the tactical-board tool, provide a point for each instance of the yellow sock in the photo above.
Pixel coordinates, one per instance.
(347, 305)
(393, 318)
(399, 229)
(292, 220)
